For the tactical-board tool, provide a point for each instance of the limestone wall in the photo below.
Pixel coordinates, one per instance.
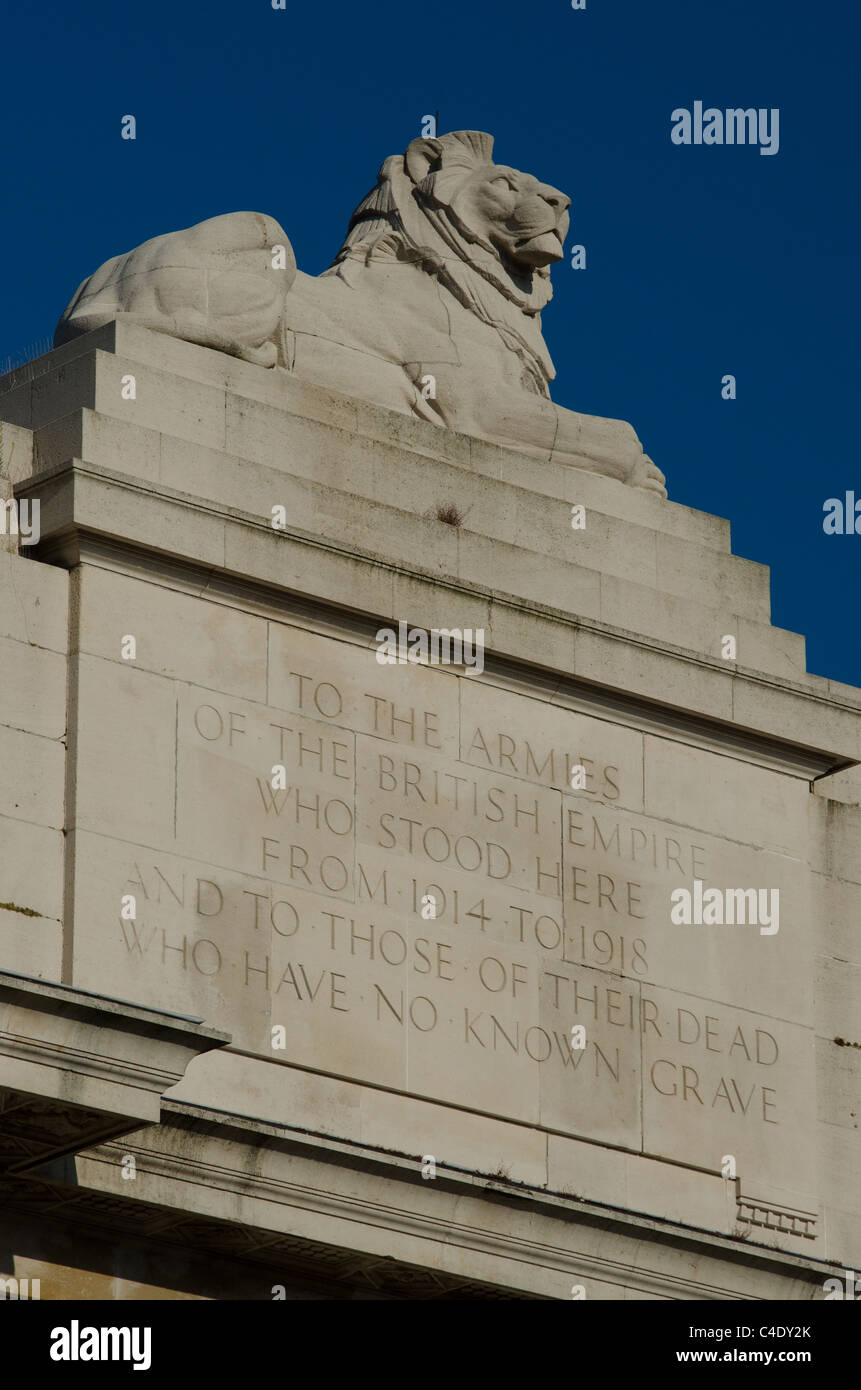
(443, 1033)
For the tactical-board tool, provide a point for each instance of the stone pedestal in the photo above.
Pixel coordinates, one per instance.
(400, 940)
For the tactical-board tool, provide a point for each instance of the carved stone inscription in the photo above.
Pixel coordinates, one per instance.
(418, 880)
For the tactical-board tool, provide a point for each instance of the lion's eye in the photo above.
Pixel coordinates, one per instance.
(509, 185)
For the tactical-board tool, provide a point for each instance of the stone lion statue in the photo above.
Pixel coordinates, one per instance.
(432, 306)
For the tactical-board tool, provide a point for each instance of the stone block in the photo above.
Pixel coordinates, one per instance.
(183, 637)
(838, 1000)
(228, 751)
(621, 872)
(587, 1172)
(15, 403)
(801, 721)
(512, 569)
(344, 685)
(771, 649)
(736, 585)
(102, 439)
(686, 623)
(125, 740)
(35, 603)
(33, 689)
(646, 671)
(562, 740)
(680, 1195)
(838, 909)
(306, 566)
(30, 945)
(744, 1077)
(740, 802)
(32, 784)
(161, 401)
(838, 1077)
(17, 451)
(108, 506)
(603, 495)
(842, 786)
(63, 389)
(31, 872)
(423, 604)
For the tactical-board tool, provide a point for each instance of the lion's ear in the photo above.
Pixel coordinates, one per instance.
(422, 155)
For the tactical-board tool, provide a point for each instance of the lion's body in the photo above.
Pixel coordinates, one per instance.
(395, 327)
(432, 307)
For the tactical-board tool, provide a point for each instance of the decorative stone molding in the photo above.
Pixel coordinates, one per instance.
(77, 1069)
(775, 1218)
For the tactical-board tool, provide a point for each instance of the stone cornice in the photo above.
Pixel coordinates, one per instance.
(70, 496)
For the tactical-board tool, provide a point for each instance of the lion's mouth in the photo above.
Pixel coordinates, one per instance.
(537, 232)
(539, 248)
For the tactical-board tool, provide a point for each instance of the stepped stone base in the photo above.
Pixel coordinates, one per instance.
(380, 962)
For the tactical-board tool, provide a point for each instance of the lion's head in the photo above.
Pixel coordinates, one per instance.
(475, 205)
(489, 232)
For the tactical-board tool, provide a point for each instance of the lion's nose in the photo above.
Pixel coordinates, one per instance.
(533, 209)
(559, 201)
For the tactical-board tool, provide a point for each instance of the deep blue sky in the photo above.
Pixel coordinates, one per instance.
(701, 260)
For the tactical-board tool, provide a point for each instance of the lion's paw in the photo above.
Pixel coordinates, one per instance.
(646, 474)
(264, 356)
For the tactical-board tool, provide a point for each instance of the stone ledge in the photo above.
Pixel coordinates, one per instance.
(485, 1230)
(77, 1068)
(345, 492)
(294, 399)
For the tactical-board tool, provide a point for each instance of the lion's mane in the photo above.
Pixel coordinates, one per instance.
(410, 219)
